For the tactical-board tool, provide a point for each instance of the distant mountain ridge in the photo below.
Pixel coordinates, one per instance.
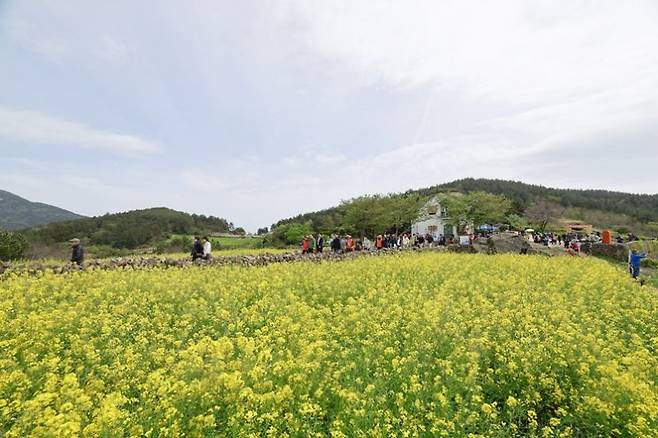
(17, 213)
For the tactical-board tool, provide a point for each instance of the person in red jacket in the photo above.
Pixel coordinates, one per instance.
(379, 242)
(349, 244)
(305, 245)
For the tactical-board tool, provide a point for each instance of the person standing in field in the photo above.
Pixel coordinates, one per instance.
(207, 249)
(197, 248)
(319, 243)
(77, 252)
(634, 262)
(379, 242)
(311, 244)
(335, 244)
(305, 245)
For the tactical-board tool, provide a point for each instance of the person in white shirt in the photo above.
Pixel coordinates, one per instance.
(207, 249)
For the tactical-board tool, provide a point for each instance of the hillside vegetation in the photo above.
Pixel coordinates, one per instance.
(17, 213)
(622, 212)
(130, 229)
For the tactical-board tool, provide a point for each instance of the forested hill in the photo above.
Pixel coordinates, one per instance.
(640, 207)
(17, 212)
(606, 207)
(130, 229)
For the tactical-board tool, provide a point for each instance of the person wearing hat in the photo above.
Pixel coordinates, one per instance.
(78, 253)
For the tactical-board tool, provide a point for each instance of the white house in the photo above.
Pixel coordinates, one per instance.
(433, 219)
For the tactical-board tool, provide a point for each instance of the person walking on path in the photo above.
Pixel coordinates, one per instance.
(491, 245)
(77, 252)
(319, 243)
(335, 244)
(634, 262)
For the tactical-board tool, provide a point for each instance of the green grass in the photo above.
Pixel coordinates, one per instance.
(227, 242)
(237, 242)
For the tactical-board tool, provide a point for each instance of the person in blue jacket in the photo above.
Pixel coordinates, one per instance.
(634, 261)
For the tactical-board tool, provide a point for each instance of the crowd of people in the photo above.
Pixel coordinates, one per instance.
(310, 244)
(573, 241)
(346, 243)
(569, 241)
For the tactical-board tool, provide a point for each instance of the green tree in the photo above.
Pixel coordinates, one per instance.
(287, 234)
(516, 222)
(12, 245)
(401, 211)
(363, 216)
(476, 208)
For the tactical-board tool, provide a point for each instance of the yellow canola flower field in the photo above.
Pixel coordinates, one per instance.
(402, 345)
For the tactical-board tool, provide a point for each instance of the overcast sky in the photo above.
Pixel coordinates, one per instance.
(259, 110)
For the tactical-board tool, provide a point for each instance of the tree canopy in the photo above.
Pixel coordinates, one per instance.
(377, 214)
(476, 208)
(131, 229)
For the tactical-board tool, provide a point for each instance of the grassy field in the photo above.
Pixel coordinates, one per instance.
(230, 242)
(410, 345)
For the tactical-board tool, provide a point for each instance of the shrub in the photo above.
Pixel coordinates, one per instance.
(12, 245)
(174, 244)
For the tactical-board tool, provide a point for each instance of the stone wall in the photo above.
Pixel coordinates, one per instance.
(130, 263)
(615, 251)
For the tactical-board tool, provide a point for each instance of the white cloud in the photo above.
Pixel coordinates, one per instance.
(313, 156)
(100, 48)
(515, 51)
(540, 76)
(36, 128)
(195, 179)
(290, 106)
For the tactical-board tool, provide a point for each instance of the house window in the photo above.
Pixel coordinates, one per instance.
(432, 209)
